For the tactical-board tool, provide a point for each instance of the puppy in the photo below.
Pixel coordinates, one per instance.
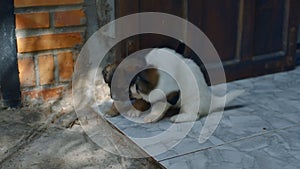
(147, 81)
(161, 90)
(163, 85)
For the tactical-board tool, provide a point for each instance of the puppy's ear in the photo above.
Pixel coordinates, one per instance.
(108, 72)
(147, 80)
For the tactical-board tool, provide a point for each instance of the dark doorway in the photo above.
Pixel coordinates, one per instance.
(9, 75)
(252, 37)
(298, 44)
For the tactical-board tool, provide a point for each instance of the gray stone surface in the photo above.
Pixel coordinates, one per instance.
(266, 117)
(37, 138)
(262, 131)
(69, 148)
(279, 149)
(16, 126)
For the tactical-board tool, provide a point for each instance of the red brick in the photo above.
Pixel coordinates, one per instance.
(29, 3)
(69, 18)
(26, 72)
(44, 94)
(32, 20)
(46, 69)
(47, 42)
(66, 65)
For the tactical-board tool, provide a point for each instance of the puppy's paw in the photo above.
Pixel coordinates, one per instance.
(174, 119)
(134, 113)
(111, 113)
(184, 117)
(151, 118)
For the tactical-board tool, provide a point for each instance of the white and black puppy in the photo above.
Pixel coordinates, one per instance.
(144, 81)
(188, 99)
(161, 89)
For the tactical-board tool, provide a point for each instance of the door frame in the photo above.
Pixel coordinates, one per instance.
(9, 74)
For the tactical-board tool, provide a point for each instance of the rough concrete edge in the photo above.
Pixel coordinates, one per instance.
(156, 164)
(33, 135)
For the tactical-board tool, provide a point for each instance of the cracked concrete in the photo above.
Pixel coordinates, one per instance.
(40, 138)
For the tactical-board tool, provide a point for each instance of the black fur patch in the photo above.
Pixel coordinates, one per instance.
(173, 97)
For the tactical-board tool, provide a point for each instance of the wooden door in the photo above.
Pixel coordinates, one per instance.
(252, 37)
(175, 7)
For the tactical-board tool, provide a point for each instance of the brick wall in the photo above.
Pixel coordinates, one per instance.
(49, 35)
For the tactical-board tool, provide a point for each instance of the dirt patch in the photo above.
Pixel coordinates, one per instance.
(49, 136)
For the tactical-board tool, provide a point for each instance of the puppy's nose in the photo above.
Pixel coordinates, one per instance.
(112, 96)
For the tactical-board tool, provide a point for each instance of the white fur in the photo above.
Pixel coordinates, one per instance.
(193, 105)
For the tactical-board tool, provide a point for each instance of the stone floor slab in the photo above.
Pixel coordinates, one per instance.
(271, 103)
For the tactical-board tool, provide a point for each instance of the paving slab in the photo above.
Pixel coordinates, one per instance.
(271, 103)
(275, 150)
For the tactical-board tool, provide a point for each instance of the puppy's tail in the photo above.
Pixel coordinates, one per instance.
(218, 102)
